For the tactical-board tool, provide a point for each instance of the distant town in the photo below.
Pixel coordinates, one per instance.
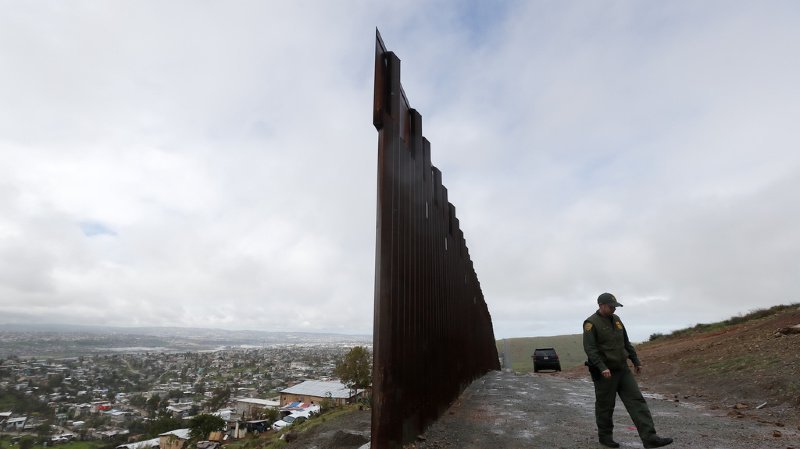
(85, 384)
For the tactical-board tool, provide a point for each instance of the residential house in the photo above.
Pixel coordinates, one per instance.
(315, 391)
(177, 412)
(224, 413)
(15, 424)
(109, 434)
(146, 444)
(3, 417)
(175, 439)
(253, 407)
(118, 416)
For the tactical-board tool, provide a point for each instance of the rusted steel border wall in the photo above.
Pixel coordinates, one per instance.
(432, 332)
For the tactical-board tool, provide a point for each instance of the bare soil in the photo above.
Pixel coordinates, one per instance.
(736, 368)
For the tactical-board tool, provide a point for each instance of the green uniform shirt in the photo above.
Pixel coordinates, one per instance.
(606, 343)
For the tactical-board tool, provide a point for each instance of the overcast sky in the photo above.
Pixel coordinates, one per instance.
(213, 164)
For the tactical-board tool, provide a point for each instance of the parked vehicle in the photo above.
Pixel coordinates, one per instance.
(291, 419)
(545, 359)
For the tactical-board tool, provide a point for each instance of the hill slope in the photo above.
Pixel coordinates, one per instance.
(742, 361)
(748, 363)
(519, 350)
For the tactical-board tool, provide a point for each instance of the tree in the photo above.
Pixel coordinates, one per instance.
(271, 414)
(27, 442)
(175, 394)
(327, 403)
(354, 368)
(55, 381)
(202, 425)
(114, 442)
(18, 402)
(219, 398)
(137, 400)
(43, 430)
(152, 404)
(162, 425)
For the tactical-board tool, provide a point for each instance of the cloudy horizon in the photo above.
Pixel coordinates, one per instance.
(213, 165)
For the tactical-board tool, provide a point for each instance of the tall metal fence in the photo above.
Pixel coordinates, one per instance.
(432, 331)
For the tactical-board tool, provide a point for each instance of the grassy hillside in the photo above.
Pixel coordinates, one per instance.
(744, 360)
(520, 350)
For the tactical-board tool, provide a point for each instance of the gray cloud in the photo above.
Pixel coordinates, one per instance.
(226, 153)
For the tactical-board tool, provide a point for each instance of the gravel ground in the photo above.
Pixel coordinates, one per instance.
(507, 410)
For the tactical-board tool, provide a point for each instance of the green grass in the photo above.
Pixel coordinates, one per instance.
(753, 315)
(745, 362)
(83, 445)
(731, 364)
(568, 347)
(6, 443)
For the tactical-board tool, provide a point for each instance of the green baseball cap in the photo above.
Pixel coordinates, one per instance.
(608, 298)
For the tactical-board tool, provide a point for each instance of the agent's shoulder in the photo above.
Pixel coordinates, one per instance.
(592, 318)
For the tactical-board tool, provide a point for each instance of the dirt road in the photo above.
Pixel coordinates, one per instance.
(506, 410)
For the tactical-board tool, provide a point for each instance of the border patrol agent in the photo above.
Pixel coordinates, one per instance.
(606, 343)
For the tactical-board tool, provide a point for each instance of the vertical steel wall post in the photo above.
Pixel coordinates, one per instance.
(432, 332)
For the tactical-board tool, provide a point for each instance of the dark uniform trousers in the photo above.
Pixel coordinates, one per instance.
(621, 382)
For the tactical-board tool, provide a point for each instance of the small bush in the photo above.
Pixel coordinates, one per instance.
(327, 404)
(655, 336)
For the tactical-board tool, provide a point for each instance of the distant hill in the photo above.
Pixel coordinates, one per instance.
(520, 350)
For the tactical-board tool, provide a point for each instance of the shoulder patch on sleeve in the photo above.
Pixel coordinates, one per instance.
(587, 327)
(618, 324)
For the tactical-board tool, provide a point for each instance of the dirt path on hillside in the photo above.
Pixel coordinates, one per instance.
(505, 410)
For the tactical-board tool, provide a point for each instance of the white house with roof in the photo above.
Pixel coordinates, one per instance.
(315, 391)
(253, 406)
(146, 444)
(175, 439)
(16, 423)
(224, 413)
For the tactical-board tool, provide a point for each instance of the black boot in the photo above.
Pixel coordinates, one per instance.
(657, 442)
(608, 442)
